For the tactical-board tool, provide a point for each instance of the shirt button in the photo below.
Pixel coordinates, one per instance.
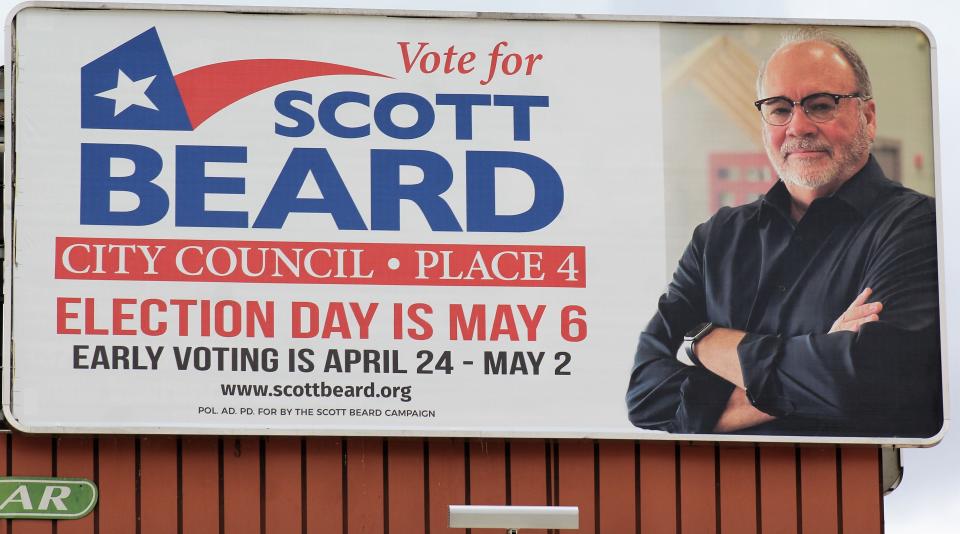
(782, 288)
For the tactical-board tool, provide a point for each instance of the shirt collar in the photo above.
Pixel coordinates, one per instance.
(861, 192)
(777, 199)
(864, 189)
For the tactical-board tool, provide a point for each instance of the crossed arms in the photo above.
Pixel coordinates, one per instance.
(872, 371)
(717, 352)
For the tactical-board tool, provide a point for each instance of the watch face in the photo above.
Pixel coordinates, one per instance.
(697, 331)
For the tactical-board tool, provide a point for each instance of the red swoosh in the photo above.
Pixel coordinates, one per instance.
(208, 89)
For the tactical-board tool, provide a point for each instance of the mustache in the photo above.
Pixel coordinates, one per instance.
(805, 144)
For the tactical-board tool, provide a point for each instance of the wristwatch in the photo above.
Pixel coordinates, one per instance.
(690, 339)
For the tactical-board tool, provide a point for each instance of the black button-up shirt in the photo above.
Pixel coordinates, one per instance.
(753, 268)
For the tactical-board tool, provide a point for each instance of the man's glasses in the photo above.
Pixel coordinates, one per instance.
(819, 107)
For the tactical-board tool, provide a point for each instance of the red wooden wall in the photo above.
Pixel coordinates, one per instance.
(274, 485)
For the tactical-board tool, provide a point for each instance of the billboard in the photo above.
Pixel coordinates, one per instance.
(355, 224)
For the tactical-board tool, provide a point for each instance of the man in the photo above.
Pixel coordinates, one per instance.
(814, 310)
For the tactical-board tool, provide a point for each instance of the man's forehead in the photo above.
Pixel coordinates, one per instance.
(817, 65)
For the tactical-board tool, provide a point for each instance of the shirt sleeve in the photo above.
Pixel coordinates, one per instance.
(665, 394)
(884, 380)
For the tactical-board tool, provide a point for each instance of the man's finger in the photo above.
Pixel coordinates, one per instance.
(855, 325)
(861, 311)
(861, 298)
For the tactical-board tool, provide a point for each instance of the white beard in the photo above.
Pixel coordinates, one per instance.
(814, 175)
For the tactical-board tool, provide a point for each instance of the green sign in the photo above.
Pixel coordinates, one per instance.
(46, 498)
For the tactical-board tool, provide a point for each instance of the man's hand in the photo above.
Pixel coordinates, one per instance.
(740, 414)
(858, 313)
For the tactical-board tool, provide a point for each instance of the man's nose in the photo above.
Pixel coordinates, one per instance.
(801, 125)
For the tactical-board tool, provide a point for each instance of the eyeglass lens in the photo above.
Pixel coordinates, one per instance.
(819, 107)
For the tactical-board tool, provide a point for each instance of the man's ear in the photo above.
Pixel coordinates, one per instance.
(870, 113)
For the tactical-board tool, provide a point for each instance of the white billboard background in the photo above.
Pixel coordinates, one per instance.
(618, 270)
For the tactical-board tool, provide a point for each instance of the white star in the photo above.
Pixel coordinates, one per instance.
(129, 93)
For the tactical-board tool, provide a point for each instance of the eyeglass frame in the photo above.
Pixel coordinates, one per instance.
(794, 103)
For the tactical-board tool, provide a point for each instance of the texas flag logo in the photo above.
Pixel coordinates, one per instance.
(132, 87)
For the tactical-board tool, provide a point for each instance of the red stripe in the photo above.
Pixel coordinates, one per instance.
(394, 264)
(208, 89)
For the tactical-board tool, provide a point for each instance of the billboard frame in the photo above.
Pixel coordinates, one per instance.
(9, 224)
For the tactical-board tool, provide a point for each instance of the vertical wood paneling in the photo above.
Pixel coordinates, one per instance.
(32, 456)
(528, 474)
(577, 481)
(117, 481)
(158, 485)
(200, 485)
(75, 460)
(738, 489)
(324, 486)
(365, 485)
(658, 488)
(405, 485)
(617, 500)
(838, 490)
(447, 482)
(282, 486)
(861, 497)
(5, 447)
(818, 490)
(488, 474)
(698, 493)
(778, 490)
(241, 485)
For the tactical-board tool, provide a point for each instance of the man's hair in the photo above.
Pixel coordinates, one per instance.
(809, 33)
